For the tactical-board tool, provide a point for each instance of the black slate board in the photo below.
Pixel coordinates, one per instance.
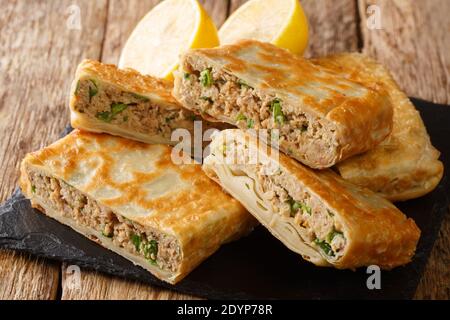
(256, 267)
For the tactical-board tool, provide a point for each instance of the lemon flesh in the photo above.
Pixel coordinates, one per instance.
(170, 28)
(280, 22)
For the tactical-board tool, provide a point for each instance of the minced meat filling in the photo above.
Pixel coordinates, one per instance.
(128, 110)
(159, 249)
(306, 211)
(224, 95)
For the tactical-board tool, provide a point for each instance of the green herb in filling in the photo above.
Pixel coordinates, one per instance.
(140, 97)
(117, 108)
(150, 251)
(334, 234)
(207, 99)
(243, 84)
(206, 78)
(304, 128)
(33, 189)
(192, 117)
(306, 208)
(186, 76)
(278, 115)
(105, 116)
(295, 206)
(168, 119)
(250, 122)
(322, 244)
(93, 90)
(106, 234)
(241, 117)
(292, 206)
(108, 116)
(136, 240)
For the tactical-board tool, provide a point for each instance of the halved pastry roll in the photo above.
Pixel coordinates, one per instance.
(405, 165)
(130, 198)
(317, 214)
(127, 104)
(323, 116)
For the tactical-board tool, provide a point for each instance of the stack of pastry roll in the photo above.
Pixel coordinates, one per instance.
(106, 183)
(342, 111)
(113, 178)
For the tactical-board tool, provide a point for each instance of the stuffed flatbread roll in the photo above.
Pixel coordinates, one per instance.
(405, 165)
(126, 103)
(317, 214)
(323, 116)
(130, 198)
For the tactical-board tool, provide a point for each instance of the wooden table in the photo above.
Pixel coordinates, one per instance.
(40, 47)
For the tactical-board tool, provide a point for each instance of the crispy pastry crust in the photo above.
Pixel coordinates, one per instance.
(157, 91)
(405, 165)
(376, 231)
(141, 183)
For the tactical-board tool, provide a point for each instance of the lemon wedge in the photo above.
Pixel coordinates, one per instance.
(170, 28)
(280, 22)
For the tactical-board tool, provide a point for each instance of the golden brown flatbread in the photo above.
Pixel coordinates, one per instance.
(323, 116)
(405, 165)
(130, 198)
(125, 103)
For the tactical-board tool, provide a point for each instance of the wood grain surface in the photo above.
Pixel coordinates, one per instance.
(39, 51)
(414, 43)
(39, 54)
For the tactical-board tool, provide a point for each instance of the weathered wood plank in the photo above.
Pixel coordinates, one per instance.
(27, 278)
(95, 286)
(413, 42)
(123, 15)
(435, 283)
(333, 26)
(122, 18)
(218, 10)
(40, 46)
